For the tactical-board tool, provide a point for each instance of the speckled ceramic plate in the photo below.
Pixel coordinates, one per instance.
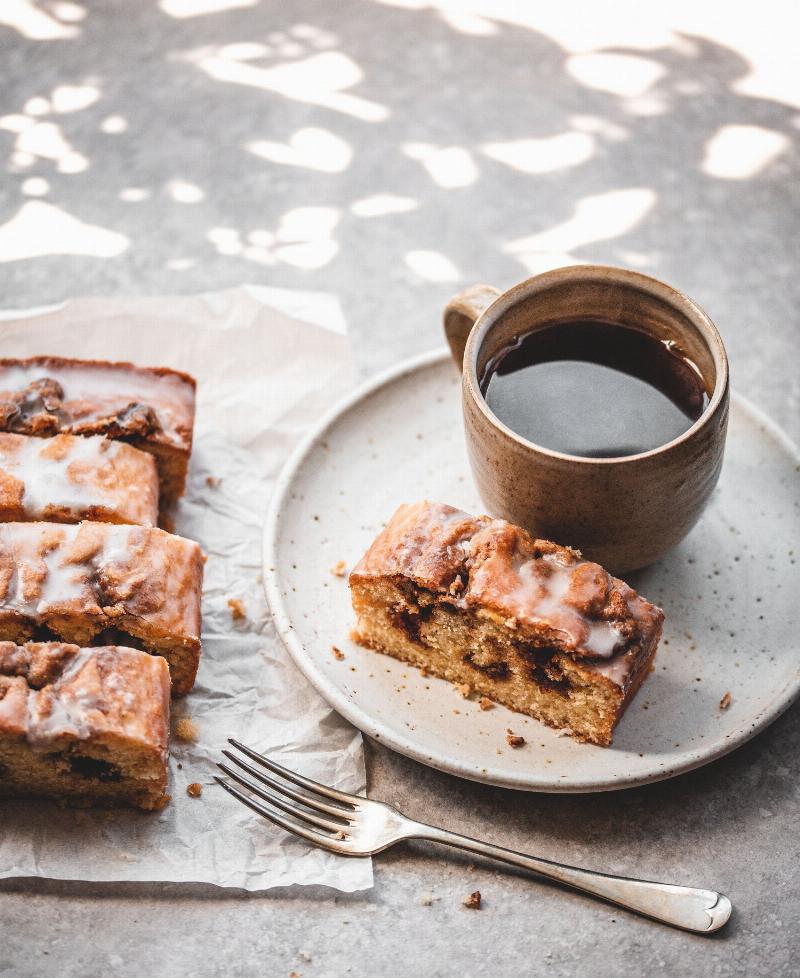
(730, 594)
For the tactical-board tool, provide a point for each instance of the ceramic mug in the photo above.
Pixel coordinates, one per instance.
(623, 512)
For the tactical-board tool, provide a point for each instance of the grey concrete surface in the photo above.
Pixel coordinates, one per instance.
(172, 200)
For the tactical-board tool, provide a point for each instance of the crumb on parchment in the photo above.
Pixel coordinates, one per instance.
(237, 609)
(337, 653)
(514, 740)
(485, 703)
(194, 790)
(339, 569)
(212, 481)
(473, 901)
(726, 701)
(186, 729)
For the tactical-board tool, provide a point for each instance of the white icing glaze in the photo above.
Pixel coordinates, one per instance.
(46, 576)
(542, 596)
(110, 389)
(61, 709)
(78, 476)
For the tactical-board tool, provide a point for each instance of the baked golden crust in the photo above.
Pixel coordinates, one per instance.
(525, 622)
(90, 724)
(548, 592)
(150, 407)
(81, 582)
(67, 478)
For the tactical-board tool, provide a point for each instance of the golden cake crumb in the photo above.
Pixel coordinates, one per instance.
(194, 790)
(465, 689)
(514, 740)
(423, 671)
(237, 609)
(212, 481)
(337, 653)
(726, 701)
(485, 703)
(340, 835)
(473, 901)
(339, 569)
(186, 729)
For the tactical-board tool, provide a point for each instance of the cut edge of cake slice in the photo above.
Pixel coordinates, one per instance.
(86, 726)
(524, 622)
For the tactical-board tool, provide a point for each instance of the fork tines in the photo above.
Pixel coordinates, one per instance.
(310, 805)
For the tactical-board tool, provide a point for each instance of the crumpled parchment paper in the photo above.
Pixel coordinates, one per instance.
(264, 376)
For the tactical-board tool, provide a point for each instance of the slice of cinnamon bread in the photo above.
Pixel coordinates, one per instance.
(66, 479)
(104, 584)
(524, 622)
(150, 407)
(88, 726)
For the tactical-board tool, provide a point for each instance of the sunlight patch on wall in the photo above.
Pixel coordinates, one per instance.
(449, 167)
(543, 155)
(197, 8)
(73, 98)
(37, 25)
(35, 187)
(320, 79)
(380, 204)
(302, 239)
(596, 218)
(312, 148)
(134, 195)
(184, 192)
(39, 229)
(114, 124)
(627, 75)
(433, 266)
(741, 152)
(46, 141)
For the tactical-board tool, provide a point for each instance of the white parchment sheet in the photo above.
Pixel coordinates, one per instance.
(263, 376)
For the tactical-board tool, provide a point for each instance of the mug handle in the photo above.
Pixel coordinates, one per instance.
(460, 315)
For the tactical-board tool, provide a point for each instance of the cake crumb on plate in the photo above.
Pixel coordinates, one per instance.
(473, 901)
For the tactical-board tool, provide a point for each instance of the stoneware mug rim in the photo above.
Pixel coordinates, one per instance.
(586, 273)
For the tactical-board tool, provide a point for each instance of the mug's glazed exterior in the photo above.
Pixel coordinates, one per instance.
(623, 512)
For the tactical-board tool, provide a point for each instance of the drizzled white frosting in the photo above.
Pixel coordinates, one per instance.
(51, 569)
(542, 598)
(78, 475)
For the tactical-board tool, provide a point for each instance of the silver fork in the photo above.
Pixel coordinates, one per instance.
(353, 826)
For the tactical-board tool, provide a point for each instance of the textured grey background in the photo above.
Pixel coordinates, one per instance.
(445, 81)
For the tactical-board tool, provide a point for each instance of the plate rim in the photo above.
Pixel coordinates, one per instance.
(395, 740)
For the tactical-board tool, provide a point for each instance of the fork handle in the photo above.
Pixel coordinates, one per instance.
(701, 911)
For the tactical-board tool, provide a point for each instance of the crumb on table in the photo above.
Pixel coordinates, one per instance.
(237, 609)
(186, 729)
(337, 653)
(726, 701)
(339, 569)
(485, 703)
(427, 900)
(194, 790)
(514, 740)
(473, 901)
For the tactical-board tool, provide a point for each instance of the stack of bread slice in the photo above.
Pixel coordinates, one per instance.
(99, 608)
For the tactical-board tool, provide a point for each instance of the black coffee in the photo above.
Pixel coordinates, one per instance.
(594, 388)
